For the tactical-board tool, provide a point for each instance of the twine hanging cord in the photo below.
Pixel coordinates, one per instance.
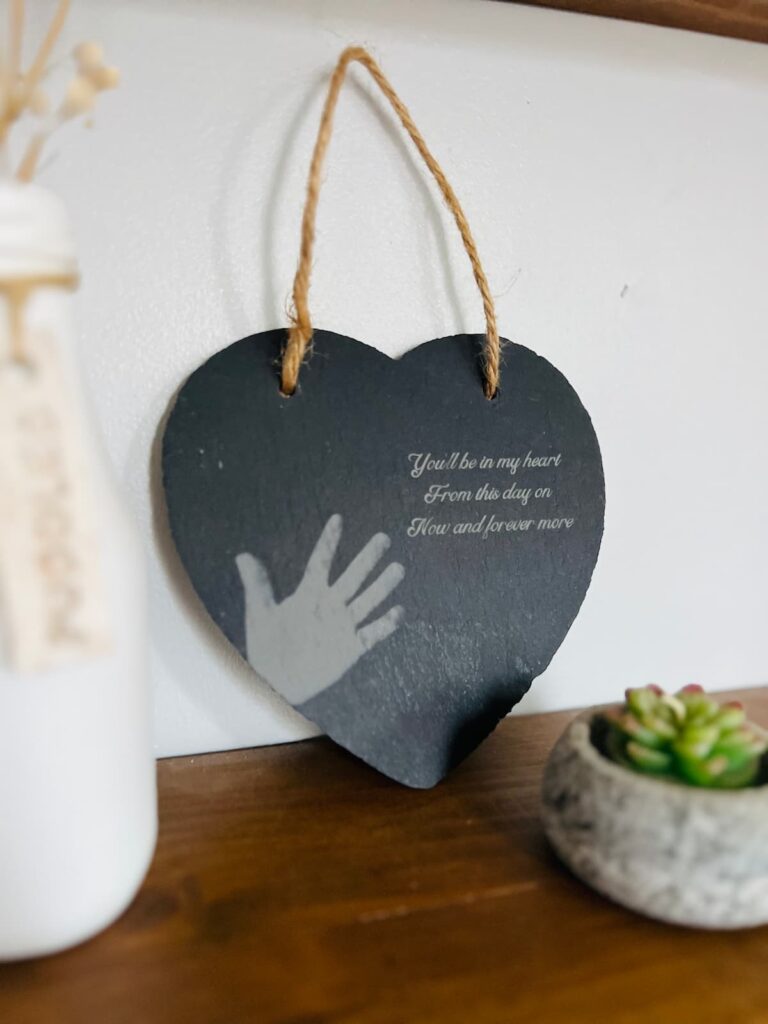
(300, 333)
(16, 292)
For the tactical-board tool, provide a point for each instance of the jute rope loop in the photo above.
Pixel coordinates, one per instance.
(300, 332)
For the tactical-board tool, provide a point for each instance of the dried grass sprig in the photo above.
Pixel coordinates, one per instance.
(22, 93)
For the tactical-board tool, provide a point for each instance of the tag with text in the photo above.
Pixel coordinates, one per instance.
(503, 494)
(52, 596)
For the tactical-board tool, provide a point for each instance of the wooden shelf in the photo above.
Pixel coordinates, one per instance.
(294, 885)
(743, 19)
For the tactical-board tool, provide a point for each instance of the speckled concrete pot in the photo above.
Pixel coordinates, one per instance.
(696, 857)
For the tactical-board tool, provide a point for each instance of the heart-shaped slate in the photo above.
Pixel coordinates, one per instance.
(412, 553)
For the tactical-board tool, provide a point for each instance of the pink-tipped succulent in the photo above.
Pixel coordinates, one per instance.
(686, 736)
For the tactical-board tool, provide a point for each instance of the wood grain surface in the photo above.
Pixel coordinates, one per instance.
(743, 19)
(293, 884)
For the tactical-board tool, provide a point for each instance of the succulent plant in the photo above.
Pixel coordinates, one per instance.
(686, 736)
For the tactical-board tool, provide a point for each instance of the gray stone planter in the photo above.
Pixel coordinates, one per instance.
(689, 856)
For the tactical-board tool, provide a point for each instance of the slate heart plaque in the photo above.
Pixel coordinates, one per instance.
(396, 554)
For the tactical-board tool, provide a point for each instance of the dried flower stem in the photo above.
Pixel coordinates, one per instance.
(37, 69)
(21, 93)
(12, 68)
(18, 93)
(28, 165)
(15, 35)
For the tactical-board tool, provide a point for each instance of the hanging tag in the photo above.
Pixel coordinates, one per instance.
(52, 595)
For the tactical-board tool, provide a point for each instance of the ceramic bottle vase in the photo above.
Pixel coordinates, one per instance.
(77, 773)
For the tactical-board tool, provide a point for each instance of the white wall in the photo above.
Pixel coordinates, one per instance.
(615, 177)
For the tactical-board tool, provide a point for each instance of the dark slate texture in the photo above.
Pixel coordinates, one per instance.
(246, 469)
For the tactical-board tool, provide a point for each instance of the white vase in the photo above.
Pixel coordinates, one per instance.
(77, 773)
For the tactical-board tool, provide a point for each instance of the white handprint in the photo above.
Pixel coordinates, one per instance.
(307, 642)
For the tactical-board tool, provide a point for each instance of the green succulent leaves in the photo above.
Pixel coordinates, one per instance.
(686, 736)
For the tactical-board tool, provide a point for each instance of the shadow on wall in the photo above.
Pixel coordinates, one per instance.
(274, 301)
(272, 294)
(273, 305)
